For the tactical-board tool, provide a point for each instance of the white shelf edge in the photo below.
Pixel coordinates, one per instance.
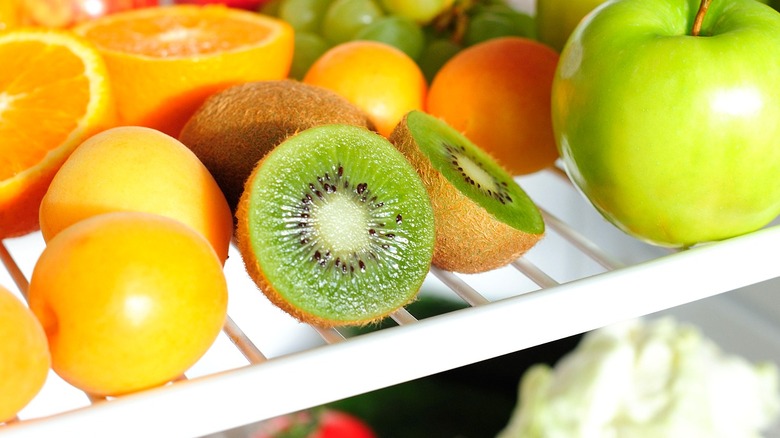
(285, 384)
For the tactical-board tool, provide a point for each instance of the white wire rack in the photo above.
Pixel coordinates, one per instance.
(585, 274)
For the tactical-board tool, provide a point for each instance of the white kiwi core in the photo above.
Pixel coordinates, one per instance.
(477, 173)
(341, 224)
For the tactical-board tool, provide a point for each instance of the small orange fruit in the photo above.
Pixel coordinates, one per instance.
(24, 355)
(165, 61)
(133, 168)
(128, 301)
(54, 93)
(382, 80)
(497, 93)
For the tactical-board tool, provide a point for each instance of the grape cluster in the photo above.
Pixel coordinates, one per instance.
(429, 31)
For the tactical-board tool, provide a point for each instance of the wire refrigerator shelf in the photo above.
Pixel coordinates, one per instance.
(585, 274)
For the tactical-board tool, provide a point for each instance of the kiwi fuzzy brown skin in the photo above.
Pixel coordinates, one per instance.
(469, 239)
(236, 127)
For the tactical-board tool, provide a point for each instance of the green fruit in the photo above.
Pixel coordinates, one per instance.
(497, 20)
(308, 48)
(303, 15)
(673, 137)
(399, 32)
(421, 11)
(336, 227)
(556, 19)
(435, 54)
(484, 220)
(344, 18)
(236, 127)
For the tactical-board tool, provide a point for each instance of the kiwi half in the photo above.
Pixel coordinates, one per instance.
(484, 219)
(335, 226)
(235, 128)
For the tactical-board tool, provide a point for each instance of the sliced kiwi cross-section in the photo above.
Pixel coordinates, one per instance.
(484, 219)
(336, 227)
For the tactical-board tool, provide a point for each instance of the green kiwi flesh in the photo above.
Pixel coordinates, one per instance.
(236, 127)
(484, 219)
(335, 226)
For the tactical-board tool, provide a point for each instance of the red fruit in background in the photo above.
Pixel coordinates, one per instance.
(242, 4)
(320, 423)
(336, 424)
(66, 13)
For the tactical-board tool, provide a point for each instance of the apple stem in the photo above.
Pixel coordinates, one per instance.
(703, 6)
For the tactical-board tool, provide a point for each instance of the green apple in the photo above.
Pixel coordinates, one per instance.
(556, 19)
(674, 138)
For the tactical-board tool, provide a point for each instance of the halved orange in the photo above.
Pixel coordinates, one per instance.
(54, 93)
(165, 61)
(10, 14)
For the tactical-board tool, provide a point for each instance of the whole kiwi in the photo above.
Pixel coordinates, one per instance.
(483, 218)
(236, 127)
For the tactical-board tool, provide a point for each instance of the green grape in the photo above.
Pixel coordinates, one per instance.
(308, 48)
(396, 31)
(344, 18)
(303, 15)
(435, 55)
(421, 11)
(497, 21)
(270, 8)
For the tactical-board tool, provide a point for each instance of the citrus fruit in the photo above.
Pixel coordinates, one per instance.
(128, 301)
(133, 168)
(497, 93)
(165, 61)
(66, 13)
(380, 79)
(54, 92)
(25, 355)
(10, 14)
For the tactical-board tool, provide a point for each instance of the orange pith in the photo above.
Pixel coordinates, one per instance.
(164, 62)
(54, 93)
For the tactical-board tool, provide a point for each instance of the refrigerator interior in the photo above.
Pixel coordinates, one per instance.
(585, 274)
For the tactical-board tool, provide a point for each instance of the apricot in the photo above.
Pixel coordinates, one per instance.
(128, 301)
(132, 168)
(24, 355)
(498, 94)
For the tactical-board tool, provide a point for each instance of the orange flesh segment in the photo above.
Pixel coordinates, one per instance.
(29, 87)
(165, 35)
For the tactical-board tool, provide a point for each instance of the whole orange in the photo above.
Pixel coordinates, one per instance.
(24, 355)
(132, 168)
(165, 61)
(382, 80)
(497, 93)
(128, 301)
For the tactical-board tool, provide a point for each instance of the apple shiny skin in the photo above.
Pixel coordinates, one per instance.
(674, 138)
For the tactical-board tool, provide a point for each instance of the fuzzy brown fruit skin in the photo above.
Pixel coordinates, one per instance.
(237, 127)
(469, 239)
